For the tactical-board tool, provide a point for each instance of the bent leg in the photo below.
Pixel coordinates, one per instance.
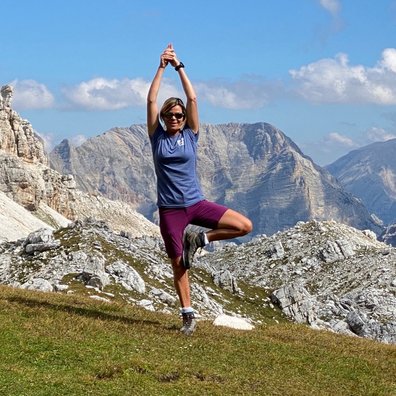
(231, 225)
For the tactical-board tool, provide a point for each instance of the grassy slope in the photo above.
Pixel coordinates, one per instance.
(54, 344)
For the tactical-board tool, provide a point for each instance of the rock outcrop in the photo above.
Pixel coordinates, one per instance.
(25, 175)
(26, 178)
(17, 135)
(88, 257)
(325, 274)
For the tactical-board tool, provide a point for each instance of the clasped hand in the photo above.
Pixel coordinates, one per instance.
(169, 56)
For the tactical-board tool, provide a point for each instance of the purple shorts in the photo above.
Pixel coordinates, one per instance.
(173, 221)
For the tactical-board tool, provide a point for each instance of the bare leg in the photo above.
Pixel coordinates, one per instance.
(181, 282)
(231, 225)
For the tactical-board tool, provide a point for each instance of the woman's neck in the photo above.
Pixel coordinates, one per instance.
(173, 132)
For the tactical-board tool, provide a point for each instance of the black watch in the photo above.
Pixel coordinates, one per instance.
(179, 66)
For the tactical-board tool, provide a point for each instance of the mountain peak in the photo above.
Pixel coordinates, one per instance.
(17, 136)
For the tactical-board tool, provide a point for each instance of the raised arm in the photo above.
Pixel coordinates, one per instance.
(152, 105)
(192, 105)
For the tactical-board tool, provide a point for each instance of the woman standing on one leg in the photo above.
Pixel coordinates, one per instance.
(180, 199)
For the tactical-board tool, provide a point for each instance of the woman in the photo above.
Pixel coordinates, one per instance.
(180, 200)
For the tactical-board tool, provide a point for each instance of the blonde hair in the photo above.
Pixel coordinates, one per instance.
(170, 103)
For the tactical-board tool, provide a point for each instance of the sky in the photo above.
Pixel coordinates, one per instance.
(322, 71)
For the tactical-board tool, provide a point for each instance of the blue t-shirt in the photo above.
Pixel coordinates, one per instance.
(175, 166)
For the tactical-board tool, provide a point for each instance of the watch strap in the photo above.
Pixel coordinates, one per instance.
(179, 66)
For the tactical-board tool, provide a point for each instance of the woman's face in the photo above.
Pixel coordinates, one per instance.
(174, 119)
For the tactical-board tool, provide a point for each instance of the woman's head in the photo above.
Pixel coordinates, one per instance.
(173, 112)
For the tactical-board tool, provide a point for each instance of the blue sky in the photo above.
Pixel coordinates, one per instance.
(322, 71)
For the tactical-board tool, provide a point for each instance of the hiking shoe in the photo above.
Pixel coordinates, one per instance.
(189, 323)
(192, 241)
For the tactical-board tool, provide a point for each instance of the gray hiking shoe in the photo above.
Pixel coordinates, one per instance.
(192, 241)
(189, 323)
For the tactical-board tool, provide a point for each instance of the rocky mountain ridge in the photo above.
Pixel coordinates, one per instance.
(370, 174)
(17, 135)
(253, 168)
(26, 179)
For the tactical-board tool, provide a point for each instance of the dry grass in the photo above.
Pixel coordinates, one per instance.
(60, 344)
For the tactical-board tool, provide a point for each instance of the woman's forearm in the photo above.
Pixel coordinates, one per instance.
(192, 104)
(155, 85)
(152, 106)
(187, 86)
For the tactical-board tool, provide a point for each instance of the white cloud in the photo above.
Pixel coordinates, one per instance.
(30, 94)
(250, 93)
(388, 61)
(106, 94)
(78, 140)
(114, 94)
(219, 96)
(334, 145)
(336, 81)
(103, 94)
(332, 6)
(48, 139)
(335, 137)
(376, 134)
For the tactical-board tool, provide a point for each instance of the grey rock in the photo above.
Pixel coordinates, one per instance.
(42, 235)
(163, 296)
(146, 304)
(38, 284)
(98, 280)
(295, 302)
(276, 251)
(227, 281)
(40, 241)
(336, 250)
(32, 248)
(356, 323)
(127, 276)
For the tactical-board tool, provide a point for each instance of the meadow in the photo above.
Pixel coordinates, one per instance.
(62, 344)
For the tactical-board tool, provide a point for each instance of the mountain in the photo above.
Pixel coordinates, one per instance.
(253, 168)
(369, 173)
(27, 180)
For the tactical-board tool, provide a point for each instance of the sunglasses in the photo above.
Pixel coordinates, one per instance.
(170, 115)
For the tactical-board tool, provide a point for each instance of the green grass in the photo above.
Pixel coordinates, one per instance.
(55, 344)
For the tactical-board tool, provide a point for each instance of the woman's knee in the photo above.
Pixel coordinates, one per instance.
(237, 221)
(178, 267)
(246, 226)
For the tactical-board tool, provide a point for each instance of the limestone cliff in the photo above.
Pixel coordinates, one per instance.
(26, 178)
(17, 135)
(25, 175)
